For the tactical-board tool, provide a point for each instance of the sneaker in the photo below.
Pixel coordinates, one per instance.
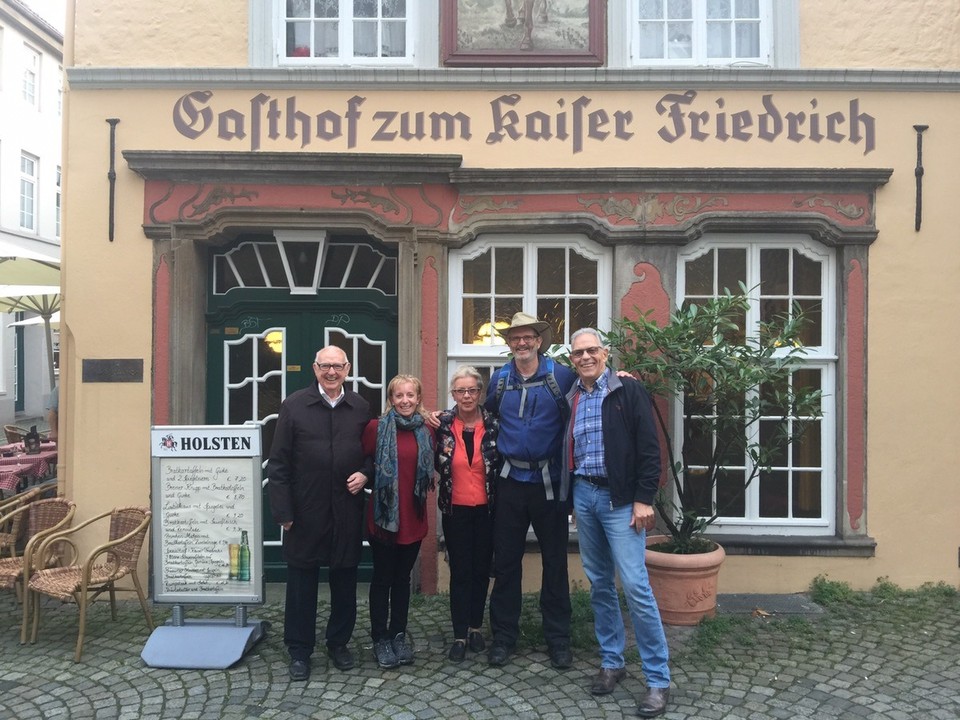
(383, 652)
(402, 649)
(458, 651)
(477, 644)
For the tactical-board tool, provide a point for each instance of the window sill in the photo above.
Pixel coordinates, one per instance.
(797, 545)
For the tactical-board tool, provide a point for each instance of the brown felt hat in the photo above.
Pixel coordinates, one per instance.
(522, 320)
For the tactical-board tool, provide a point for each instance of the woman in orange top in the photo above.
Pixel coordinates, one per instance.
(468, 464)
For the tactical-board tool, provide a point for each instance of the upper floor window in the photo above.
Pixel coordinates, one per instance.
(28, 192)
(701, 32)
(345, 31)
(31, 75)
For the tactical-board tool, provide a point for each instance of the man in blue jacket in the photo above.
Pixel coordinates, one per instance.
(613, 453)
(528, 395)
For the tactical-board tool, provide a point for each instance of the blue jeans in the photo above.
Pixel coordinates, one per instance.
(608, 543)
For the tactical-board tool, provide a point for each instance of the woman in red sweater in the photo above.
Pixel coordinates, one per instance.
(401, 445)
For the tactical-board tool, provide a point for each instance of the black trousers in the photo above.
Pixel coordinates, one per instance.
(300, 615)
(520, 505)
(468, 532)
(390, 587)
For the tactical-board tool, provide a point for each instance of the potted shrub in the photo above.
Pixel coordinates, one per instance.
(740, 404)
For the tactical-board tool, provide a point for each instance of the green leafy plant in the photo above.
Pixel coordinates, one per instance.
(741, 400)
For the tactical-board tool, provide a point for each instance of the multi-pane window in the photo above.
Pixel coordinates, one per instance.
(796, 493)
(28, 192)
(559, 279)
(345, 30)
(701, 32)
(58, 201)
(31, 75)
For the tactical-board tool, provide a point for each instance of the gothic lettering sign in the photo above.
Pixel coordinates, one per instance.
(206, 501)
(570, 123)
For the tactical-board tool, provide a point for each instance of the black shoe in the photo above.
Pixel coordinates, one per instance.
(402, 649)
(341, 656)
(458, 651)
(299, 670)
(560, 655)
(498, 655)
(607, 680)
(477, 644)
(654, 702)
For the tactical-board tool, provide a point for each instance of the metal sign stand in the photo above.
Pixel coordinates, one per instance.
(206, 544)
(212, 643)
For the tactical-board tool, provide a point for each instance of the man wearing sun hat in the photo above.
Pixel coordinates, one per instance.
(528, 395)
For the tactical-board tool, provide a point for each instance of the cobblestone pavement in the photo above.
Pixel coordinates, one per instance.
(891, 662)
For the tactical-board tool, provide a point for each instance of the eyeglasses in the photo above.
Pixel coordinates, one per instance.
(517, 339)
(338, 367)
(468, 392)
(591, 351)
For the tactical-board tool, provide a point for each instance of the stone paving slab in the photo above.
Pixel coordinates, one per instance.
(845, 664)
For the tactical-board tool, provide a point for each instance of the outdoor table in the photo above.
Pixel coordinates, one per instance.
(20, 468)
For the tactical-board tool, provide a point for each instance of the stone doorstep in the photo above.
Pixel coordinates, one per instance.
(795, 604)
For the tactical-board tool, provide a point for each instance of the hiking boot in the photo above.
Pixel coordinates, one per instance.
(383, 652)
(402, 649)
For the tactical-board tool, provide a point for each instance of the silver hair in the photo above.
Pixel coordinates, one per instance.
(588, 331)
(466, 371)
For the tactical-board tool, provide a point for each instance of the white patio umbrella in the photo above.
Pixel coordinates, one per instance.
(44, 300)
(37, 320)
(19, 266)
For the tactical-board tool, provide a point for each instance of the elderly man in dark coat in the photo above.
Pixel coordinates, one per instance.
(317, 470)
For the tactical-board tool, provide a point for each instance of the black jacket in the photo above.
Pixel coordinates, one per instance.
(315, 449)
(630, 441)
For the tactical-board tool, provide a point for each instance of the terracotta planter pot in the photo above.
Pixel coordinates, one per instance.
(685, 586)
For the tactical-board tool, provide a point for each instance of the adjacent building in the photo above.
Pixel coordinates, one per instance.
(250, 181)
(31, 130)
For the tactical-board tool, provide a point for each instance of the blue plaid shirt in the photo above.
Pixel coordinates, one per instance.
(588, 429)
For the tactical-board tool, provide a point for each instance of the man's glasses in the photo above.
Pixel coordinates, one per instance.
(466, 392)
(517, 339)
(591, 351)
(338, 367)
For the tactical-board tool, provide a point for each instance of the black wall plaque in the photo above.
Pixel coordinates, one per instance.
(113, 370)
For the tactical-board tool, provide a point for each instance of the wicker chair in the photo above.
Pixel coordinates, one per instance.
(44, 518)
(14, 433)
(12, 527)
(99, 572)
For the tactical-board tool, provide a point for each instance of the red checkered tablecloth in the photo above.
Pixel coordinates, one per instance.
(18, 468)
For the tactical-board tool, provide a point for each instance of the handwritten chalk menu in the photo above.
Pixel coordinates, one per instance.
(206, 502)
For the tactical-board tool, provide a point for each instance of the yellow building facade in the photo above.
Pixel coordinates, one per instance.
(243, 177)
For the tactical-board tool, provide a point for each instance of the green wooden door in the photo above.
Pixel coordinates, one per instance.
(261, 343)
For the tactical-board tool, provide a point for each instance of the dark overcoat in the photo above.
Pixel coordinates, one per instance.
(315, 449)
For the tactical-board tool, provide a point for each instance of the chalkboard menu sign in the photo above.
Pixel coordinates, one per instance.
(206, 502)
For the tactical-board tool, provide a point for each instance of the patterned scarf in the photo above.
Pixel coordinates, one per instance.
(386, 506)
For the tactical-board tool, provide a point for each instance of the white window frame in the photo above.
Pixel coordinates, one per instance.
(823, 357)
(30, 88)
(59, 197)
(28, 180)
(699, 56)
(345, 42)
(494, 355)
